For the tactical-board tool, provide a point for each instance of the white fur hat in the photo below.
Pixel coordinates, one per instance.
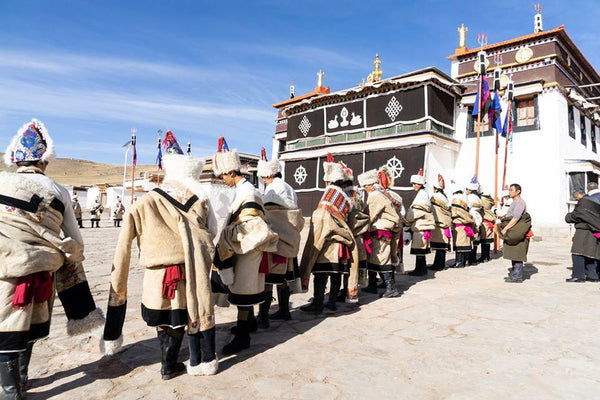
(224, 160)
(348, 173)
(418, 178)
(31, 143)
(472, 186)
(268, 168)
(440, 184)
(368, 178)
(333, 171)
(182, 168)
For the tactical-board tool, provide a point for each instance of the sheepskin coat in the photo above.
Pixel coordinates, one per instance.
(486, 230)
(460, 217)
(170, 226)
(383, 217)
(328, 231)
(516, 244)
(242, 244)
(36, 219)
(586, 217)
(443, 220)
(420, 218)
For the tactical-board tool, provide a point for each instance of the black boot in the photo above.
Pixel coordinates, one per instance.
(459, 260)
(473, 256)
(485, 253)
(344, 290)
(439, 262)
(203, 359)
(170, 343)
(252, 322)
(390, 285)
(420, 267)
(262, 321)
(372, 287)
(336, 282)
(240, 341)
(24, 358)
(11, 380)
(316, 307)
(283, 300)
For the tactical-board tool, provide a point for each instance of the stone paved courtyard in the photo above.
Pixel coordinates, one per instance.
(459, 334)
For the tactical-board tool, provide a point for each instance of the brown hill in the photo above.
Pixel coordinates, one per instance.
(70, 171)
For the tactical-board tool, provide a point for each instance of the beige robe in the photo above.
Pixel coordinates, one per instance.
(171, 229)
(443, 220)
(383, 216)
(460, 216)
(486, 231)
(420, 218)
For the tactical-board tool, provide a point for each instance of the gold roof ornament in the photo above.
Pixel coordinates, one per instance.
(462, 36)
(375, 76)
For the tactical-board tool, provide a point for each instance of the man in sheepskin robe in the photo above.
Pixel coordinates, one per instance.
(440, 236)
(486, 232)
(474, 203)
(285, 218)
(37, 260)
(384, 224)
(421, 220)
(176, 250)
(330, 246)
(242, 251)
(462, 224)
(585, 251)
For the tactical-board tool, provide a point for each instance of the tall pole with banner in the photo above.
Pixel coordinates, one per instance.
(133, 161)
(497, 73)
(481, 59)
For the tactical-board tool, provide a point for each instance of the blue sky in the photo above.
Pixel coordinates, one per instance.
(92, 70)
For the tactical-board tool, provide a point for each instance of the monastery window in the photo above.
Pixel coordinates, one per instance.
(594, 137)
(486, 129)
(577, 182)
(571, 121)
(525, 114)
(582, 130)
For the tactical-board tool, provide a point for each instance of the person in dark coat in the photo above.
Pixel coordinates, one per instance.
(515, 231)
(585, 250)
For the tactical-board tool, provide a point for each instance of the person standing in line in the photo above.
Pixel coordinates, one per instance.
(386, 181)
(96, 213)
(241, 257)
(358, 222)
(462, 224)
(77, 210)
(171, 225)
(585, 251)
(515, 231)
(384, 223)
(42, 254)
(440, 236)
(330, 240)
(422, 222)
(285, 218)
(474, 202)
(118, 212)
(486, 232)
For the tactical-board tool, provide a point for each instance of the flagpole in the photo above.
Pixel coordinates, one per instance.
(481, 72)
(509, 122)
(133, 162)
(497, 72)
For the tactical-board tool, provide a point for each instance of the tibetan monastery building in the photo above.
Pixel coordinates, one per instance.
(423, 119)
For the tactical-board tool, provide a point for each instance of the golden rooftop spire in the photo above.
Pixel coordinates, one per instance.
(375, 76)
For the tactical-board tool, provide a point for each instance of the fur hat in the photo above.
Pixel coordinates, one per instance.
(368, 178)
(348, 173)
(440, 184)
(418, 178)
(31, 143)
(385, 177)
(267, 168)
(182, 168)
(225, 160)
(473, 186)
(332, 171)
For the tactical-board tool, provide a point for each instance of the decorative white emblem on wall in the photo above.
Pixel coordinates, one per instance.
(300, 175)
(395, 166)
(393, 108)
(304, 126)
(354, 121)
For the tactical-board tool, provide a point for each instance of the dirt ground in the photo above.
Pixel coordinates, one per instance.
(458, 334)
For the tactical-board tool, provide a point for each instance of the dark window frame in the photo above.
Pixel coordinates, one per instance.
(582, 129)
(472, 126)
(571, 119)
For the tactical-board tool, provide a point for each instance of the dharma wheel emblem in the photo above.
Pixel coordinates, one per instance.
(304, 126)
(395, 166)
(300, 175)
(393, 108)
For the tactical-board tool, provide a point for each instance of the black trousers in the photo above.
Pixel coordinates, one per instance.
(584, 267)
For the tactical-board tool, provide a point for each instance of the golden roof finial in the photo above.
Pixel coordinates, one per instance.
(320, 78)
(375, 76)
(462, 36)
